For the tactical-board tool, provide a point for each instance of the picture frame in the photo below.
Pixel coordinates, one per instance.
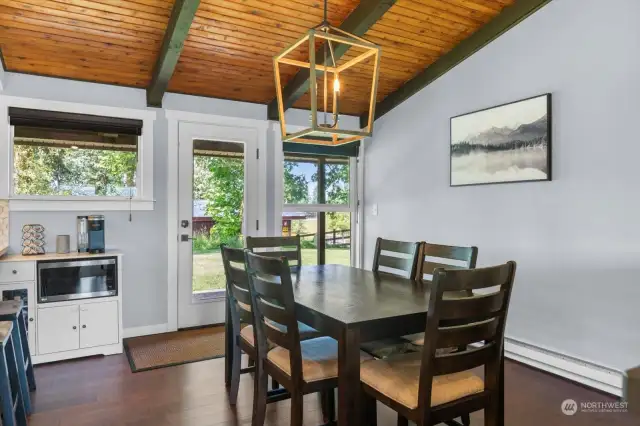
(507, 143)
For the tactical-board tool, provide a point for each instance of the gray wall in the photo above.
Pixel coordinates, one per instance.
(144, 240)
(576, 239)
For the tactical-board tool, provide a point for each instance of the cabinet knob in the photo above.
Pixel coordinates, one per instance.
(14, 272)
(74, 327)
(30, 319)
(84, 326)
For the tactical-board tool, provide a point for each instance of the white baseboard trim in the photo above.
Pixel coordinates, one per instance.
(145, 330)
(580, 371)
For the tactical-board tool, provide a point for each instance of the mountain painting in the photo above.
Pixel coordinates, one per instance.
(507, 143)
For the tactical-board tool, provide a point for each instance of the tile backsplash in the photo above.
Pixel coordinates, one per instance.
(4, 225)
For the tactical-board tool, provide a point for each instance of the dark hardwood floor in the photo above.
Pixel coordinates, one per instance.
(103, 392)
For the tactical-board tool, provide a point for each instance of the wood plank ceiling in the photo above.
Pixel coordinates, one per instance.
(229, 49)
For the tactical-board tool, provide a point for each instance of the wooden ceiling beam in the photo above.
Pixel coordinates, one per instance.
(177, 31)
(367, 13)
(509, 17)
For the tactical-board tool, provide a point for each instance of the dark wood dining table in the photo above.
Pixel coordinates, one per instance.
(354, 306)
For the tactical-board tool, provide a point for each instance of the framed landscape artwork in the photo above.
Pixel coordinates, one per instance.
(506, 143)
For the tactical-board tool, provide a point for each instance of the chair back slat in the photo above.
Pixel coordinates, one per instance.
(276, 336)
(474, 308)
(472, 323)
(289, 247)
(241, 295)
(267, 288)
(272, 312)
(462, 254)
(433, 256)
(290, 255)
(237, 284)
(274, 307)
(397, 246)
(457, 336)
(402, 263)
(462, 361)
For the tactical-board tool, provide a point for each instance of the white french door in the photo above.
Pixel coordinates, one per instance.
(226, 202)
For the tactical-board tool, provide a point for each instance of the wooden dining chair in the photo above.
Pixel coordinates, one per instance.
(430, 388)
(432, 256)
(289, 247)
(397, 258)
(302, 367)
(242, 320)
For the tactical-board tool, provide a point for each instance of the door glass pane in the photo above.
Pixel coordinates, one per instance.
(218, 211)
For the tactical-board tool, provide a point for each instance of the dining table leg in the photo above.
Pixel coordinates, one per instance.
(349, 378)
(228, 344)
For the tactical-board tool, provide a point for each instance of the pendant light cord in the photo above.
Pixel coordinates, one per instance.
(325, 11)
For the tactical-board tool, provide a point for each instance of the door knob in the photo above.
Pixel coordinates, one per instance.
(30, 319)
(75, 328)
(84, 326)
(185, 237)
(14, 272)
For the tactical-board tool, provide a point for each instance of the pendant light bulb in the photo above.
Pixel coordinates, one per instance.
(336, 85)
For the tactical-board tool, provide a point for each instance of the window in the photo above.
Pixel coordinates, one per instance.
(73, 163)
(318, 206)
(63, 160)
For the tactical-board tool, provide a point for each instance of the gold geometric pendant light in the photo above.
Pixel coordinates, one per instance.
(327, 87)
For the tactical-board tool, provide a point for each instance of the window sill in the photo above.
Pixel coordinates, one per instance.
(53, 204)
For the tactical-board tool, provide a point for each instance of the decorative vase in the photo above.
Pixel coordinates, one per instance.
(32, 239)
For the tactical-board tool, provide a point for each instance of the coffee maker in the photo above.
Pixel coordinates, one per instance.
(91, 234)
(96, 233)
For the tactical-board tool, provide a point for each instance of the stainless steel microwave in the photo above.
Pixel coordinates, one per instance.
(78, 279)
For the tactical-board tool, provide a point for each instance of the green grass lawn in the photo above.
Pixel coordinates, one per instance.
(208, 272)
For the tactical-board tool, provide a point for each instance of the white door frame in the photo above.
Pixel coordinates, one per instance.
(258, 130)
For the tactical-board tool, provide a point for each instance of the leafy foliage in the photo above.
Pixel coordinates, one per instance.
(296, 186)
(40, 170)
(224, 193)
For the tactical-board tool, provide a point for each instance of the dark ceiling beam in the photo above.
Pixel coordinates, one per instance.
(177, 31)
(509, 17)
(367, 13)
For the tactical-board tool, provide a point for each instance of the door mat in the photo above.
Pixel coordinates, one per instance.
(175, 348)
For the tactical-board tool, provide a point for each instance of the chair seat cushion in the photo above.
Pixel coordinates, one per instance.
(319, 358)
(398, 378)
(247, 334)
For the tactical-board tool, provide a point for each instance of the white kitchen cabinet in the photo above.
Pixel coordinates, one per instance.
(64, 329)
(58, 329)
(99, 324)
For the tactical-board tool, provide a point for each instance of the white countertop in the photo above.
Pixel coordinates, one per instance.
(56, 256)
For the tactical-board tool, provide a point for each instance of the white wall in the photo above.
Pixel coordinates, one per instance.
(576, 239)
(144, 240)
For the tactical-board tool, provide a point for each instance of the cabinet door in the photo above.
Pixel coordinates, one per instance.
(99, 324)
(24, 291)
(58, 329)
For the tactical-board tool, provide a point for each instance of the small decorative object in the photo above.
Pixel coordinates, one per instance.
(506, 143)
(63, 243)
(330, 76)
(32, 239)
